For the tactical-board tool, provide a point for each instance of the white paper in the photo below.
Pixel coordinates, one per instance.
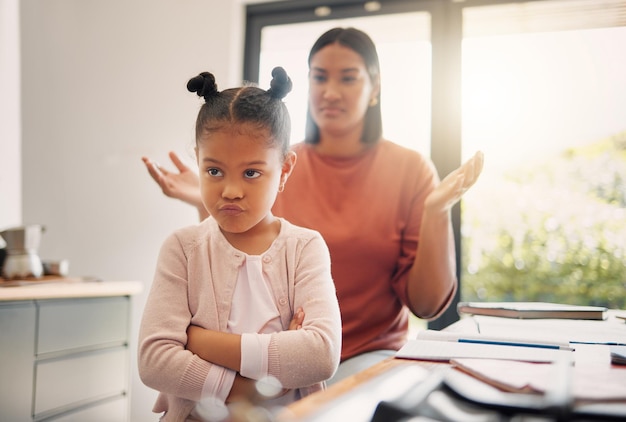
(435, 350)
(456, 336)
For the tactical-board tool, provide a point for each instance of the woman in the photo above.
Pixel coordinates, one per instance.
(380, 207)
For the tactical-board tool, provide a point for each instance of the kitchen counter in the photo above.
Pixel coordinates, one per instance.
(65, 349)
(57, 288)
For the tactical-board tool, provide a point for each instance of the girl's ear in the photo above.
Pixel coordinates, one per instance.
(288, 164)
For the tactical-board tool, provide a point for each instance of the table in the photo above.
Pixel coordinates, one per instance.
(356, 397)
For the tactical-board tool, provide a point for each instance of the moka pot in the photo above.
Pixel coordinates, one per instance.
(22, 259)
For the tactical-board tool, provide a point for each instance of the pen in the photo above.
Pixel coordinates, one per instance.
(513, 343)
(602, 343)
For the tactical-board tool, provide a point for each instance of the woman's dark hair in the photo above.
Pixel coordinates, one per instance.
(244, 105)
(362, 44)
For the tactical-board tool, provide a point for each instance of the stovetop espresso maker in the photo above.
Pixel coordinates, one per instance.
(22, 259)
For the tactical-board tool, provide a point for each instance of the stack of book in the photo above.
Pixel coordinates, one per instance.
(533, 310)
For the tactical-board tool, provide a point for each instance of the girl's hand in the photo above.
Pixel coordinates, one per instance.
(297, 320)
(455, 184)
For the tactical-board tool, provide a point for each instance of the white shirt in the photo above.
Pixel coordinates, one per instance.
(253, 311)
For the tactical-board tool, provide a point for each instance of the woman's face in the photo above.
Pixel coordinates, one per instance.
(340, 90)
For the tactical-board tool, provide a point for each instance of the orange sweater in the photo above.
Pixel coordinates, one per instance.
(368, 208)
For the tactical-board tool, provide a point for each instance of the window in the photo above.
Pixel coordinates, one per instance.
(535, 84)
(545, 98)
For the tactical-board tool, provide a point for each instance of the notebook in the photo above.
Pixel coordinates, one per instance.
(533, 310)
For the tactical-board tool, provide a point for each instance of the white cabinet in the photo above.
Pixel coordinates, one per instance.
(17, 346)
(65, 359)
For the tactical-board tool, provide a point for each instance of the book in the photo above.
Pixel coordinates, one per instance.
(533, 310)
(618, 355)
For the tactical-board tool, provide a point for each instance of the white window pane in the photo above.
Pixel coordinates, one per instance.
(547, 219)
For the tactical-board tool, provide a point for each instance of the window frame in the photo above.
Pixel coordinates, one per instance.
(446, 39)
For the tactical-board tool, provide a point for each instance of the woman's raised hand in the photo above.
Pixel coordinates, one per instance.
(455, 184)
(183, 185)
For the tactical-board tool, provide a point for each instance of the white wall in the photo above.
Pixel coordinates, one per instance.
(103, 83)
(10, 165)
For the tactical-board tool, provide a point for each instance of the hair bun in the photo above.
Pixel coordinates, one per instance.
(204, 85)
(281, 83)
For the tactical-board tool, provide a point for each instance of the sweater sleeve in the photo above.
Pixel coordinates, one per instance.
(163, 362)
(310, 355)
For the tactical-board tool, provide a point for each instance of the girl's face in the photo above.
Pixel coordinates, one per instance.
(240, 176)
(340, 90)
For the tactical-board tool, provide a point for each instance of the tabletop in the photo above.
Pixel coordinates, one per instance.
(356, 398)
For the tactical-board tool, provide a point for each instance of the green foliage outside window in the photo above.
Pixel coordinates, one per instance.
(553, 231)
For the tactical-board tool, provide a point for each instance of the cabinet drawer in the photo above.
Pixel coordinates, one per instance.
(79, 379)
(81, 323)
(17, 344)
(115, 410)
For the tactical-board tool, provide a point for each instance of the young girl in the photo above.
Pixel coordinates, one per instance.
(242, 277)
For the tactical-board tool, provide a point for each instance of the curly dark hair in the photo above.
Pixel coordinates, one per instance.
(248, 104)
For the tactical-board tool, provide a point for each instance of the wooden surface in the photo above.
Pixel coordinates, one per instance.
(325, 400)
(313, 405)
(52, 287)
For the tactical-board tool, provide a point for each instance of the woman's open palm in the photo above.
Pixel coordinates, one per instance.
(183, 185)
(455, 184)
